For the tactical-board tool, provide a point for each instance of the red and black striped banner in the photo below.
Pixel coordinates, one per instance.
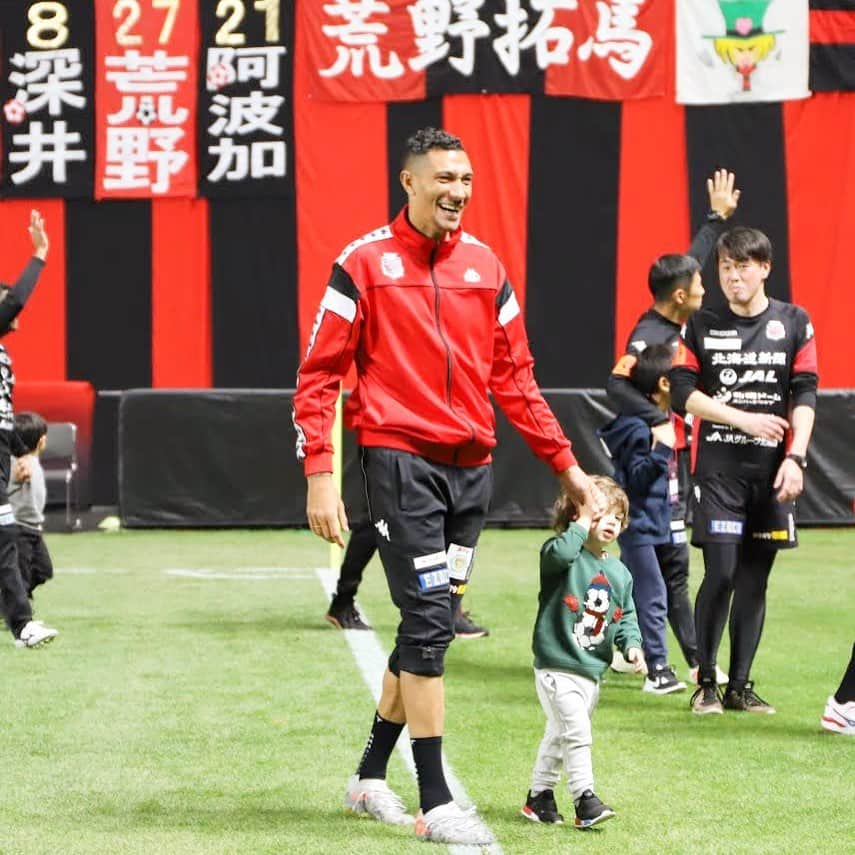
(832, 45)
(577, 197)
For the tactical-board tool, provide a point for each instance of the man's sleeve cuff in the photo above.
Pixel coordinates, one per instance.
(318, 463)
(563, 460)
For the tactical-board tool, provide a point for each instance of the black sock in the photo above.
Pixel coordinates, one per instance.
(378, 750)
(433, 790)
(846, 692)
(456, 599)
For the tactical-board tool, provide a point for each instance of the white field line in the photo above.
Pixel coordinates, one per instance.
(371, 660)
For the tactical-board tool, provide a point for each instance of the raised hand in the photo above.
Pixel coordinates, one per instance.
(723, 197)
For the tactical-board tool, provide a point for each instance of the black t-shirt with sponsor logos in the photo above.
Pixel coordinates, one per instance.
(765, 364)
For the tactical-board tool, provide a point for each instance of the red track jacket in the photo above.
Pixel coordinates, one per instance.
(432, 325)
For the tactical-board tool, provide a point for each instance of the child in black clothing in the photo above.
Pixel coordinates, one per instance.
(27, 498)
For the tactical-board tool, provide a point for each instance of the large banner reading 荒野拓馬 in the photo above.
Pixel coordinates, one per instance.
(146, 98)
(245, 112)
(47, 96)
(399, 50)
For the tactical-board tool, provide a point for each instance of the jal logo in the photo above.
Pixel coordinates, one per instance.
(391, 265)
(758, 375)
(471, 275)
(727, 377)
(775, 331)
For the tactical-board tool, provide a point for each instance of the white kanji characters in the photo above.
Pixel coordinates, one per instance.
(260, 159)
(146, 110)
(131, 153)
(358, 39)
(143, 135)
(552, 44)
(245, 115)
(432, 24)
(53, 147)
(244, 65)
(618, 38)
(147, 74)
(48, 78)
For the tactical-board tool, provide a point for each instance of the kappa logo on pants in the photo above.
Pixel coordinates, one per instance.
(383, 528)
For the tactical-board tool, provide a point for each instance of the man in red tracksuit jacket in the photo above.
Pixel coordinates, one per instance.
(431, 321)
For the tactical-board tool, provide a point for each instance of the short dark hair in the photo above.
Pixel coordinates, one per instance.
(426, 139)
(652, 363)
(564, 511)
(742, 243)
(668, 273)
(30, 427)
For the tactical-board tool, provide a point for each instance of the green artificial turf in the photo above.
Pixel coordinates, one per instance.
(186, 714)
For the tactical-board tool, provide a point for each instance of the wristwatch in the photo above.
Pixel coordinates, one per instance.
(714, 217)
(798, 458)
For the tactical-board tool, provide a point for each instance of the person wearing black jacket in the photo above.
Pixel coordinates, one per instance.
(17, 610)
(675, 283)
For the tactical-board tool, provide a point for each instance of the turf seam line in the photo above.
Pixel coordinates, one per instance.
(371, 659)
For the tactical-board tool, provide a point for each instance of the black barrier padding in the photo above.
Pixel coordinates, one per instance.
(226, 458)
(208, 458)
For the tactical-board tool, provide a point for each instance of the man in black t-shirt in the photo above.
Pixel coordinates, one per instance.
(748, 374)
(675, 284)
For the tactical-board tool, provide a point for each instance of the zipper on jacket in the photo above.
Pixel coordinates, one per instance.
(439, 327)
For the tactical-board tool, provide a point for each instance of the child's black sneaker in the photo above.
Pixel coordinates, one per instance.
(590, 811)
(746, 700)
(542, 808)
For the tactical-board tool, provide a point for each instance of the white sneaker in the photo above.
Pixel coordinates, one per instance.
(663, 681)
(372, 797)
(620, 664)
(449, 823)
(35, 634)
(720, 677)
(839, 718)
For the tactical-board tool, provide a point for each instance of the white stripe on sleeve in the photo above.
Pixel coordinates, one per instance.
(509, 311)
(338, 304)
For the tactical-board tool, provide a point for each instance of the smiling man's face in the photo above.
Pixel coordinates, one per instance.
(438, 186)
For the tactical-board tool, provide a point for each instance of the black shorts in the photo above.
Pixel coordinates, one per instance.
(741, 510)
(427, 517)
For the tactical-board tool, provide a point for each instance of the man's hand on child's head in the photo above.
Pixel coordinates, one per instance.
(636, 656)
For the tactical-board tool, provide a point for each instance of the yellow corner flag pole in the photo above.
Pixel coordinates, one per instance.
(335, 550)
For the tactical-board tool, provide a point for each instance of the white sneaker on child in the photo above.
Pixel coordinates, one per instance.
(35, 634)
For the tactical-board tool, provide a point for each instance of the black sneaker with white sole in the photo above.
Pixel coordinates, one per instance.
(706, 699)
(746, 700)
(590, 811)
(343, 614)
(662, 680)
(465, 627)
(542, 808)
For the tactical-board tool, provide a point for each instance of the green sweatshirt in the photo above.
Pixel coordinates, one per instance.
(585, 607)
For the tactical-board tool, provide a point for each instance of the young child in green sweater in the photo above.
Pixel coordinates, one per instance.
(585, 608)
